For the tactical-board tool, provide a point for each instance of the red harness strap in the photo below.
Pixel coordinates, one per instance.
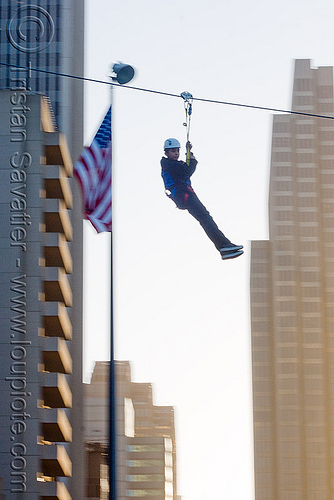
(186, 195)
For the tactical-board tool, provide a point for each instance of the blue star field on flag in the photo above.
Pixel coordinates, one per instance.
(103, 135)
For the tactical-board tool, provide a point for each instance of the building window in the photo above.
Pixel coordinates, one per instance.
(168, 444)
(143, 493)
(143, 478)
(169, 489)
(144, 447)
(143, 463)
(168, 474)
(168, 459)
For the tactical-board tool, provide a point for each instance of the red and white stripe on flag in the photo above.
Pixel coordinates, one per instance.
(93, 171)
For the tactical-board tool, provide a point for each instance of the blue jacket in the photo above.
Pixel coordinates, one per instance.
(176, 175)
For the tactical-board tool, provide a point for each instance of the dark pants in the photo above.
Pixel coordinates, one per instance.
(189, 201)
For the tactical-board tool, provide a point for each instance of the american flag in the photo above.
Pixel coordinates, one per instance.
(93, 171)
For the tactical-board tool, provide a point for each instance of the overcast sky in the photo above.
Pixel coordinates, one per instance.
(181, 313)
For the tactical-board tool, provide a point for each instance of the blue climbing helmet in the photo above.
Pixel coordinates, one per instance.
(171, 143)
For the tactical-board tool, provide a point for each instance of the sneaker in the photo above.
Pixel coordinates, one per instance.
(232, 254)
(231, 248)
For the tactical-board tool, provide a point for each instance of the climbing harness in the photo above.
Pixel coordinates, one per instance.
(188, 106)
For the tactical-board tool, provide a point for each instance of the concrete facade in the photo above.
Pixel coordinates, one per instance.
(48, 35)
(35, 296)
(292, 302)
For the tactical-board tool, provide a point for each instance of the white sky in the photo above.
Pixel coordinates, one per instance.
(181, 313)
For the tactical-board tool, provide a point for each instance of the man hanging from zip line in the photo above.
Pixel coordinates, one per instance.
(176, 176)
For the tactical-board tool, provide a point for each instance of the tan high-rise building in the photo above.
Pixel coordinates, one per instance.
(146, 448)
(36, 368)
(40, 41)
(292, 302)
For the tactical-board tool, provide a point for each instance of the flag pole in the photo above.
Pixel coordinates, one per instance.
(112, 384)
(123, 73)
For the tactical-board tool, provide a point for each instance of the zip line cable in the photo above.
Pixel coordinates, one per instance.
(168, 94)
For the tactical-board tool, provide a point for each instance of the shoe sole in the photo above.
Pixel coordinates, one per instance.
(231, 249)
(232, 255)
